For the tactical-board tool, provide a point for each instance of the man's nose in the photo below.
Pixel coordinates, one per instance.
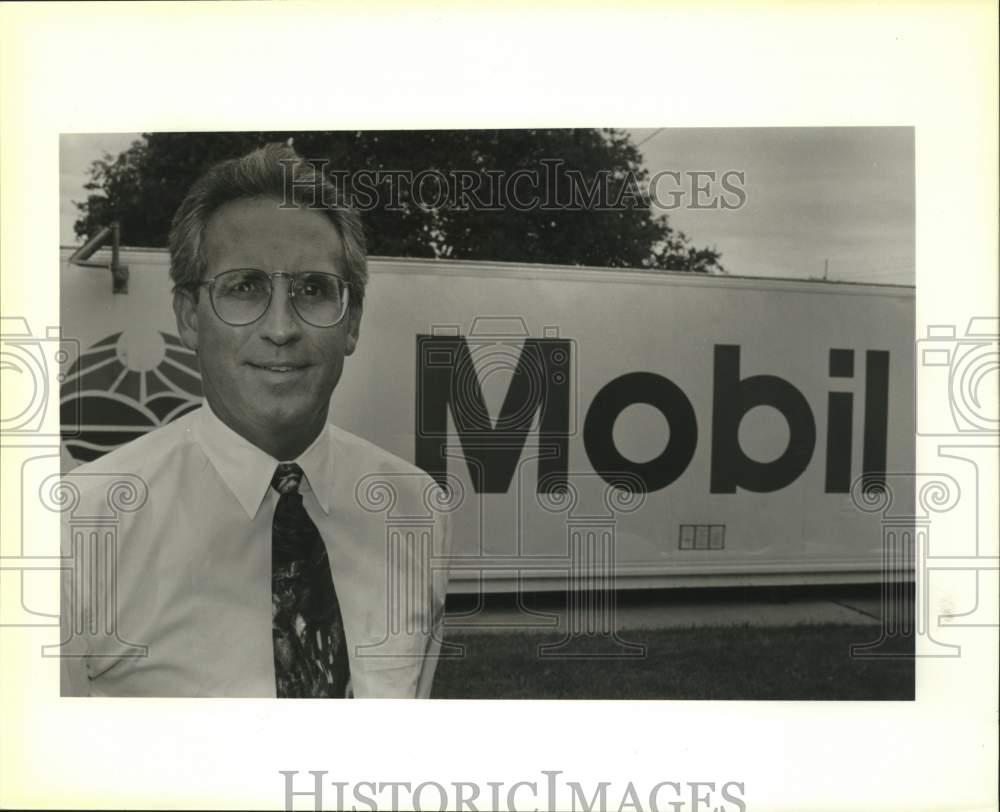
(280, 323)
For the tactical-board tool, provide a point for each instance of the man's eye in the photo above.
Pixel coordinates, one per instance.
(244, 287)
(317, 288)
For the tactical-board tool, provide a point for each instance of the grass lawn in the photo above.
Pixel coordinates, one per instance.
(795, 662)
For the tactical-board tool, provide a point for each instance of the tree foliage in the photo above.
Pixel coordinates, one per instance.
(574, 220)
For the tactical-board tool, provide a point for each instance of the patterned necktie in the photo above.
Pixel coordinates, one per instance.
(310, 650)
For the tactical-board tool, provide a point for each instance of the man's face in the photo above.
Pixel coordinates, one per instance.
(270, 381)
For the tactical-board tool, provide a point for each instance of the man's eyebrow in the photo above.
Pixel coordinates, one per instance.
(334, 272)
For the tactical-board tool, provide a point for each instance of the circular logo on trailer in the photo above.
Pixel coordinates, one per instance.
(124, 386)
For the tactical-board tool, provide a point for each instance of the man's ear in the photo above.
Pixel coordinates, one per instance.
(185, 311)
(353, 330)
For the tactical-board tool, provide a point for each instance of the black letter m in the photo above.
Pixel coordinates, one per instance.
(446, 378)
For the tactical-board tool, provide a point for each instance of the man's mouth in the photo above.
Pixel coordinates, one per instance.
(279, 367)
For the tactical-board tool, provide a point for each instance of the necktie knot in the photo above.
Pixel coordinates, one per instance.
(287, 477)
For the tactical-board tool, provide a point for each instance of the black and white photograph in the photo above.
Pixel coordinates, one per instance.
(575, 452)
(598, 403)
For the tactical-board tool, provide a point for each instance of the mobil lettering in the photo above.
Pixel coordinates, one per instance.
(540, 388)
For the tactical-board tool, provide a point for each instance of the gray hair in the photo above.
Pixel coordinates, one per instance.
(277, 171)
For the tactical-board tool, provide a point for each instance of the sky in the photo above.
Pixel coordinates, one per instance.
(835, 200)
(841, 195)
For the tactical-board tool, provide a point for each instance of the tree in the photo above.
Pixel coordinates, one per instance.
(571, 197)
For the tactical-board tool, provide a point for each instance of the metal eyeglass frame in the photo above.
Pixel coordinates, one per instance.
(210, 284)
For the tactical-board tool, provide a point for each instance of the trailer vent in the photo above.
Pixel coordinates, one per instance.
(702, 537)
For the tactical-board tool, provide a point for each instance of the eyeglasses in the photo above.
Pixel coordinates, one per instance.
(241, 296)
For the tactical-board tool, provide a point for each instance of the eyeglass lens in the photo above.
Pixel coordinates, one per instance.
(242, 296)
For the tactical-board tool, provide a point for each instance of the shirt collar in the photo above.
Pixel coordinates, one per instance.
(247, 470)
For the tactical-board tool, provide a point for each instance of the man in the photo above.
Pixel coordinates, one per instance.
(252, 554)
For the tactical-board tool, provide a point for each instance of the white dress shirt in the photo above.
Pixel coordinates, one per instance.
(187, 533)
